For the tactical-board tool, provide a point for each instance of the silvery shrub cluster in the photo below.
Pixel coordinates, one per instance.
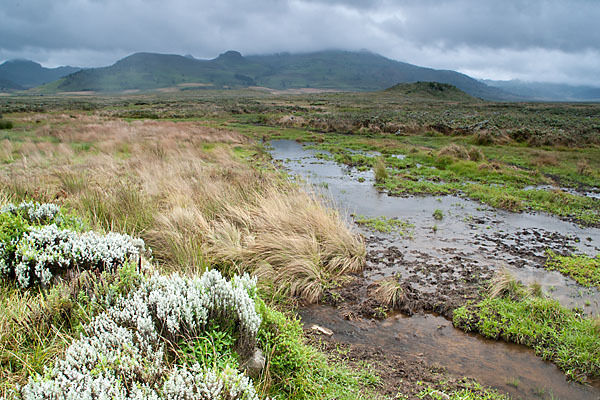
(47, 249)
(121, 355)
(34, 212)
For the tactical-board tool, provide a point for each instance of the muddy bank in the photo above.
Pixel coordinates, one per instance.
(398, 374)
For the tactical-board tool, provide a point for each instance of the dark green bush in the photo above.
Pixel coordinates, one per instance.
(5, 124)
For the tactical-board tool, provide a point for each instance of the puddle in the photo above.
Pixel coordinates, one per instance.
(590, 193)
(435, 340)
(471, 238)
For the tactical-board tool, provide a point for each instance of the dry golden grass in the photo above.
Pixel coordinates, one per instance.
(503, 284)
(545, 159)
(583, 168)
(181, 188)
(388, 292)
(456, 151)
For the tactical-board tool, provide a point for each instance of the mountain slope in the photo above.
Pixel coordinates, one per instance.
(359, 71)
(151, 71)
(548, 91)
(27, 74)
(340, 70)
(7, 85)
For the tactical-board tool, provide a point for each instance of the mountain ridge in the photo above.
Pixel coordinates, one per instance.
(24, 74)
(328, 69)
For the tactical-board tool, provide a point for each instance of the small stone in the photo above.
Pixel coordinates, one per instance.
(322, 330)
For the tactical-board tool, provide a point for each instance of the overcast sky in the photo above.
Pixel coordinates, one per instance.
(543, 40)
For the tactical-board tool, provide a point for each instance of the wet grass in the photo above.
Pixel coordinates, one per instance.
(514, 314)
(585, 270)
(473, 391)
(385, 225)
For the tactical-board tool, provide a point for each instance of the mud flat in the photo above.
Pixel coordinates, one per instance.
(442, 264)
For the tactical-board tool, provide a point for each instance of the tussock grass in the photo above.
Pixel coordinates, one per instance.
(183, 188)
(456, 151)
(380, 171)
(504, 284)
(388, 292)
(545, 159)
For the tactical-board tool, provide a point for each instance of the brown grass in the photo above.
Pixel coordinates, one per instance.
(503, 284)
(545, 159)
(181, 188)
(388, 292)
(583, 168)
(456, 151)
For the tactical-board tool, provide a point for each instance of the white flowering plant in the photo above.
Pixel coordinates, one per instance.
(124, 352)
(42, 214)
(35, 245)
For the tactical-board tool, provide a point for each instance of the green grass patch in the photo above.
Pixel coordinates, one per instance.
(385, 225)
(556, 333)
(584, 269)
(472, 391)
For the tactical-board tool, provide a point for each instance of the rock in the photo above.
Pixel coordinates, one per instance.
(321, 330)
(255, 364)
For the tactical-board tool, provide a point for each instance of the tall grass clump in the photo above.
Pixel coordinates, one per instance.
(389, 292)
(380, 171)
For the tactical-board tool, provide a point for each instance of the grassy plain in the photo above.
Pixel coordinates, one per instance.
(190, 175)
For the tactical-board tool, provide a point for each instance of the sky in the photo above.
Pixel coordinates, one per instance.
(532, 40)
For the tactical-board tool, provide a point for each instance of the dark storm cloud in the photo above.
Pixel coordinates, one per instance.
(549, 40)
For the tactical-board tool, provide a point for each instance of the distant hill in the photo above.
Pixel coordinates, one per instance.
(28, 74)
(6, 85)
(339, 70)
(429, 91)
(547, 91)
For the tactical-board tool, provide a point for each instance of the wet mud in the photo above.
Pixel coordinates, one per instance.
(440, 266)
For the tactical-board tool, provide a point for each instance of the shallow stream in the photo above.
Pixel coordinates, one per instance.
(469, 234)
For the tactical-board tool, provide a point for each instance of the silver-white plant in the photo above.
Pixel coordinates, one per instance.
(34, 212)
(122, 353)
(47, 248)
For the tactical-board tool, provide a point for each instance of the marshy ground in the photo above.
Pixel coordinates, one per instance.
(444, 194)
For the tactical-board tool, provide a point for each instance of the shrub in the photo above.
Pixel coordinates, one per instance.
(6, 124)
(34, 247)
(124, 352)
(44, 251)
